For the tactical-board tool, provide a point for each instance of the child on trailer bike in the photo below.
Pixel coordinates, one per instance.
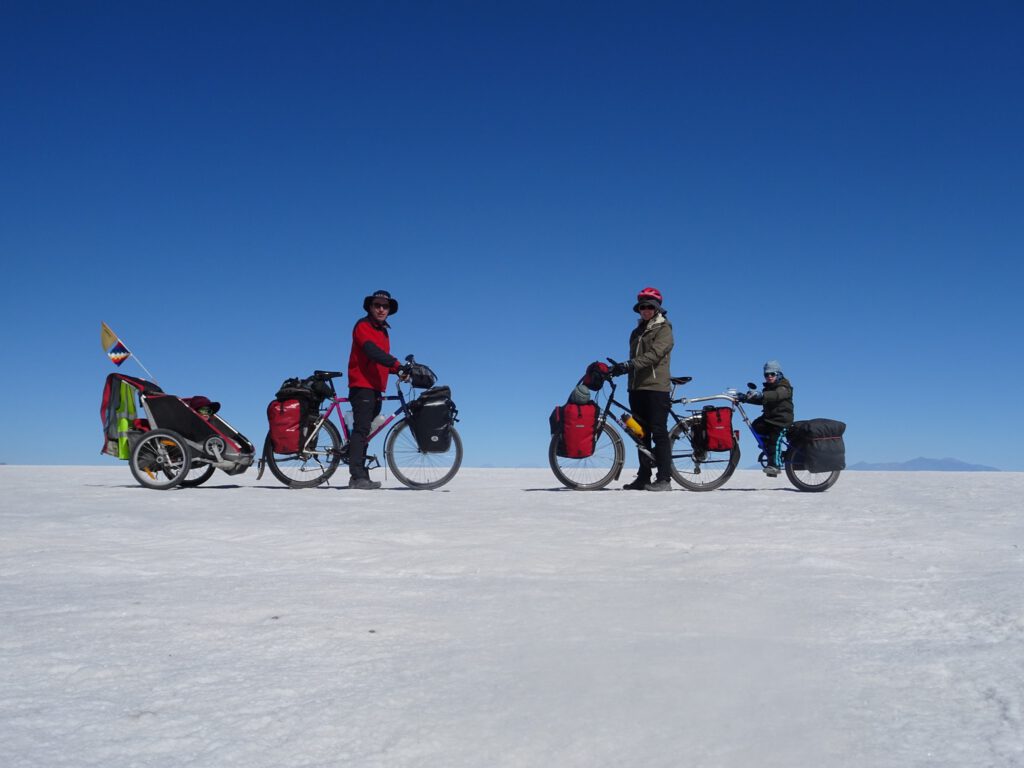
(369, 364)
(650, 354)
(776, 398)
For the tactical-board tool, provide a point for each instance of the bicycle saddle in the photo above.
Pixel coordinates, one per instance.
(328, 374)
(679, 380)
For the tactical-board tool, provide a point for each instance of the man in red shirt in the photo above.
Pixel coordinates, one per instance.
(369, 365)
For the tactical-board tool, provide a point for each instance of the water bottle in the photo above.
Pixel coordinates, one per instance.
(633, 425)
(377, 421)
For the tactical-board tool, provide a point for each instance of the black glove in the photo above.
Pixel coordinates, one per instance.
(620, 368)
(741, 397)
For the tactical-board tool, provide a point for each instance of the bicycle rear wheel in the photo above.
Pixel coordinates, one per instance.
(813, 482)
(595, 471)
(417, 469)
(308, 468)
(698, 470)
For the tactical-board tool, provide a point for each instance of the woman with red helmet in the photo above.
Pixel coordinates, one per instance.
(650, 355)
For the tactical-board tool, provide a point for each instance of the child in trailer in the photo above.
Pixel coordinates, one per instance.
(776, 398)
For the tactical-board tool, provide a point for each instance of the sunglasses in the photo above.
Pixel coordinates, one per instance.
(773, 375)
(647, 306)
(381, 306)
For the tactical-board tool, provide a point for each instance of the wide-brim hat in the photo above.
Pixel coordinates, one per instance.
(381, 295)
(201, 401)
(655, 304)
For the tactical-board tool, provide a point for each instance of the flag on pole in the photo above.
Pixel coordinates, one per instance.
(116, 349)
(107, 337)
(119, 353)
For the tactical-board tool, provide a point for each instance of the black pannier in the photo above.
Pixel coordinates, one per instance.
(818, 445)
(431, 418)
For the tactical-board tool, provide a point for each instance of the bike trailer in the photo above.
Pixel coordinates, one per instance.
(431, 417)
(131, 407)
(817, 445)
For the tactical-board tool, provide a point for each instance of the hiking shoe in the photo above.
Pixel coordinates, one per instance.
(363, 484)
(659, 485)
(636, 485)
(771, 471)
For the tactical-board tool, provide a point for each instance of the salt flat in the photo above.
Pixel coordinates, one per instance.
(503, 621)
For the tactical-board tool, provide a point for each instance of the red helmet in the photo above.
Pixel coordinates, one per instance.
(649, 294)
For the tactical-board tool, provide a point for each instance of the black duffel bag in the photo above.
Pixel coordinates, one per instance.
(817, 445)
(431, 416)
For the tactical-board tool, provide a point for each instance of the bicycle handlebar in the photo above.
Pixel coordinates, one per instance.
(706, 398)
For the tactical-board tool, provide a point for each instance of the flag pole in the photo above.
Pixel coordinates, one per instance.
(139, 362)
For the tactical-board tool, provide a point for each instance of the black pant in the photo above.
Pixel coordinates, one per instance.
(651, 410)
(366, 404)
(770, 433)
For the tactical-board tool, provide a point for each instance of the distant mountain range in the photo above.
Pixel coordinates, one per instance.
(922, 464)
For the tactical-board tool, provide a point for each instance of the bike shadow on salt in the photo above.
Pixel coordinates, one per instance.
(343, 488)
(560, 489)
(756, 490)
(717, 490)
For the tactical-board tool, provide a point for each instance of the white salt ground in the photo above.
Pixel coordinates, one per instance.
(504, 621)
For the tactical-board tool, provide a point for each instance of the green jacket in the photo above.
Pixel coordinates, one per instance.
(650, 351)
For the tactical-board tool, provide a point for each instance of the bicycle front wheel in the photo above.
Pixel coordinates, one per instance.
(310, 467)
(595, 471)
(418, 469)
(699, 470)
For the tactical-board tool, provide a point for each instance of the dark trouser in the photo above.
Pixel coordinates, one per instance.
(770, 434)
(651, 410)
(366, 404)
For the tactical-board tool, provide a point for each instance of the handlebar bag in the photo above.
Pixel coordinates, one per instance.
(431, 417)
(575, 425)
(421, 377)
(818, 444)
(595, 376)
(718, 427)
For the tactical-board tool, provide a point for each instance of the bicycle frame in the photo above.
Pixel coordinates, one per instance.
(735, 404)
(607, 411)
(335, 407)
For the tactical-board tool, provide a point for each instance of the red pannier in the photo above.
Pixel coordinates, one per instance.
(718, 428)
(285, 417)
(576, 428)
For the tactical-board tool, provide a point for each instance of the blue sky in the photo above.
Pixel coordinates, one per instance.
(837, 186)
